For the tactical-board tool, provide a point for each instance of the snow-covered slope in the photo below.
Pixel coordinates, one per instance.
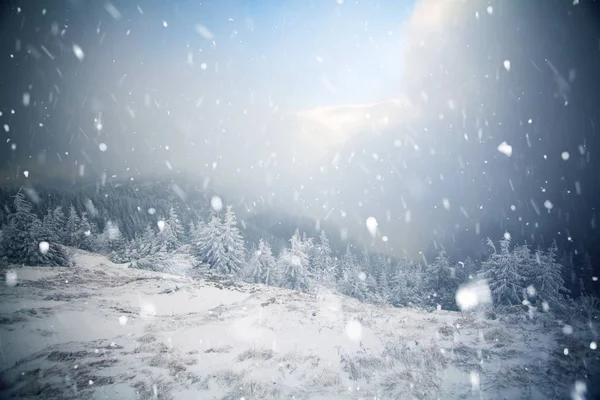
(100, 330)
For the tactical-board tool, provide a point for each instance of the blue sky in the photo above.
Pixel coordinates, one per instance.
(304, 53)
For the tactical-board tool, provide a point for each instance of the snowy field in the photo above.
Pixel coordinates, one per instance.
(104, 331)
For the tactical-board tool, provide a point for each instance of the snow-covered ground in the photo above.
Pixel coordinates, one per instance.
(103, 331)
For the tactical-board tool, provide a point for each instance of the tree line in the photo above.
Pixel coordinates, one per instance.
(515, 274)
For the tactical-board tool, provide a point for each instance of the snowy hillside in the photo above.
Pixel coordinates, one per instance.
(104, 331)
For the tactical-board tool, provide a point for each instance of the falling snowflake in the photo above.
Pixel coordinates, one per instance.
(102, 147)
(123, 320)
(204, 31)
(446, 203)
(216, 203)
(473, 295)
(44, 247)
(354, 330)
(372, 226)
(505, 148)
(11, 278)
(474, 381)
(161, 225)
(507, 65)
(78, 52)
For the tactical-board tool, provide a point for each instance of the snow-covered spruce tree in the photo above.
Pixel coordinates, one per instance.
(321, 262)
(166, 241)
(441, 283)
(176, 226)
(22, 236)
(346, 264)
(191, 232)
(208, 239)
(146, 243)
(406, 284)
(547, 277)
(254, 272)
(72, 227)
(233, 243)
(504, 274)
(84, 238)
(261, 267)
(56, 223)
(568, 273)
(294, 263)
(113, 242)
(380, 266)
(584, 274)
(355, 285)
(51, 226)
(468, 270)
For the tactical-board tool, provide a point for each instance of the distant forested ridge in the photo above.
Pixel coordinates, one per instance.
(164, 227)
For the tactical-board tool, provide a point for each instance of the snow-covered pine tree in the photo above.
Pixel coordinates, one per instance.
(57, 224)
(261, 267)
(22, 236)
(233, 243)
(84, 238)
(355, 284)
(254, 272)
(441, 283)
(322, 263)
(547, 277)
(406, 284)
(51, 227)
(347, 263)
(166, 240)
(191, 232)
(176, 225)
(584, 274)
(114, 242)
(72, 227)
(210, 246)
(271, 274)
(146, 243)
(295, 265)
(380, 265)
(569, 274)
(504, 275)
(469, 269)
(131, 250)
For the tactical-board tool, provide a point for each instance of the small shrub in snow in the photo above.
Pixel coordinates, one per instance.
(171, 263)
(256, 354)
(361, 365)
